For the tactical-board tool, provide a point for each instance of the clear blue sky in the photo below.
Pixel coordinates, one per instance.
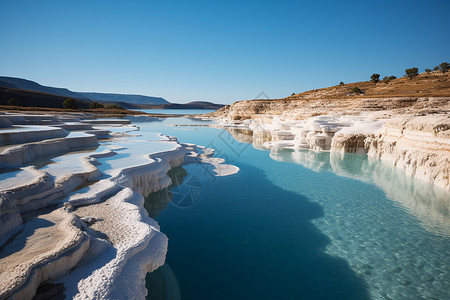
(220, 51)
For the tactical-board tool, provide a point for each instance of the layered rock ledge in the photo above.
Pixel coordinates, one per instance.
(71, 206)
(412, 133)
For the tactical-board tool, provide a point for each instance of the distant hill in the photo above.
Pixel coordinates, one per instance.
(190, 105)
(120, 99)
(29, 85)
(26, 98)
(22, 90)
(133, 99)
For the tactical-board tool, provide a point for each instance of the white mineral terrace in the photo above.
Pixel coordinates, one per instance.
(71, 203)
(418, 144)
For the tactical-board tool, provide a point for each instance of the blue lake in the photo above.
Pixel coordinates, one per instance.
(176, 111)
(296, 225)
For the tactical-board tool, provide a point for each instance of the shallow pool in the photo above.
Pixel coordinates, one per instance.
(297, 225)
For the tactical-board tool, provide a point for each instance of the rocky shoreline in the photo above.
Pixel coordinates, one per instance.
(77, 219)
(412, 133)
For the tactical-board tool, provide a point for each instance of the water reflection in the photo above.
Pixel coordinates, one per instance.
(144, 119)
(381, 244)
(162, 284)
(157, 202)
(243, 244)
(257, 138)
(430, 204)
(263, 236)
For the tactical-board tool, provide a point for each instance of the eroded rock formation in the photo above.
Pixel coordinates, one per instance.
(410, 132)
(70, 215)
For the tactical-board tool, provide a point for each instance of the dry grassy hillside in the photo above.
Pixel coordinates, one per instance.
(426, 93)
(434, 84)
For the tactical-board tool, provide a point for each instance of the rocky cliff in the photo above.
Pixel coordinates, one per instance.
(405, 122)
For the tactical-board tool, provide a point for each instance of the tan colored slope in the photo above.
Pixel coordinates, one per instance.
(298, 109)
(427, 93)
(434, 84)
(414, 115)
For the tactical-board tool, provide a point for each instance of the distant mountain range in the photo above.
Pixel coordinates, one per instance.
(29, 85)
(134, 99)
(8, 85)
(190, 105)
(26, 98)
(23, 84)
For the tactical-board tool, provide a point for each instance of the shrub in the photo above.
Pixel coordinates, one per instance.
(113, 106)
(412, 72)
(436, 68)
(375, 78)
(341, 83)
(386, 79)
(428, 70)
(69, 104)
(12, 102)
(445, 66)
(293, 94)
(356, 90)
(95, 105)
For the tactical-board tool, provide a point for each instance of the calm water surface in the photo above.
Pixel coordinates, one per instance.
(176, 111)
(296, 225)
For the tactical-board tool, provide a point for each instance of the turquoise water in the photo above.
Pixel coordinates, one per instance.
(297, 225)
(176, 111)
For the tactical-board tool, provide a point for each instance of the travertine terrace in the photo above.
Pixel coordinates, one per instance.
(71, 208)
(405, 122)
